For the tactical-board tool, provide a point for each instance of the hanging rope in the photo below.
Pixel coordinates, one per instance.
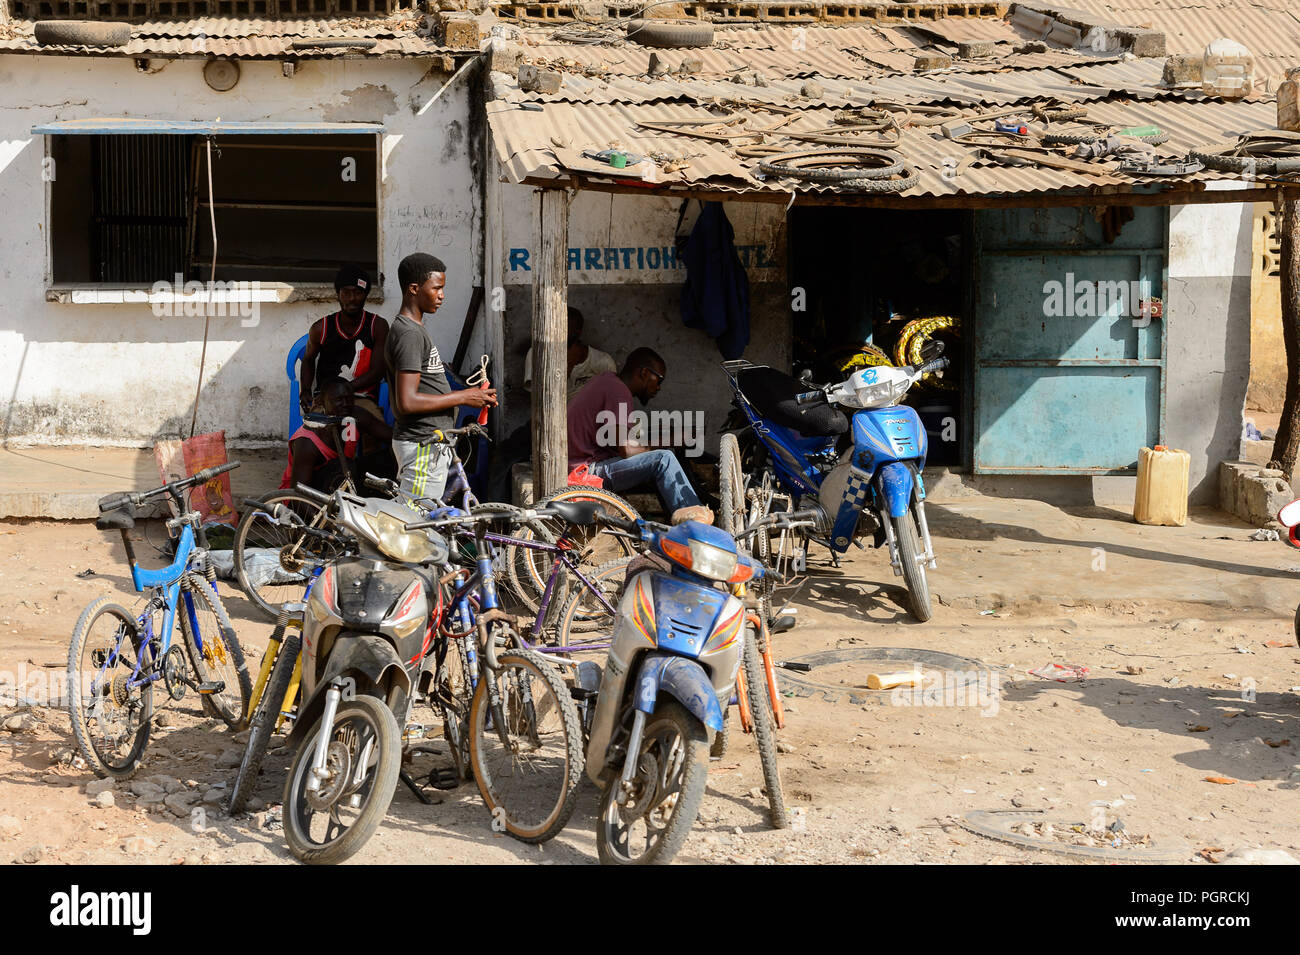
(212, 280)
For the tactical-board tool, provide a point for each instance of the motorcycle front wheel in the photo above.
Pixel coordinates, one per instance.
(362, 765)
(666, 791)
(909, 555)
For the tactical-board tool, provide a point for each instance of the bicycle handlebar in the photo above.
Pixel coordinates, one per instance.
(115, 501)
(450, 435)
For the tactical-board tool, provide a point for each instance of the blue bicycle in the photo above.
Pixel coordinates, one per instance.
(116, 656)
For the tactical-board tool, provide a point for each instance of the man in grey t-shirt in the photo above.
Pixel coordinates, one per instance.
(422, 399)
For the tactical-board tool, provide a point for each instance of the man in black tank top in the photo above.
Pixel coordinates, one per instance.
(347, 345)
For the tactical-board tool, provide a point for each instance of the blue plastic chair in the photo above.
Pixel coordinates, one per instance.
(291, 369)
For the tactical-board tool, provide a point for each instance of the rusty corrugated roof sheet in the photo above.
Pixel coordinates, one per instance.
(249, 39)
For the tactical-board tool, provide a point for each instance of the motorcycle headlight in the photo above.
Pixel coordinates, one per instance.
(701, 558)
(408, 547)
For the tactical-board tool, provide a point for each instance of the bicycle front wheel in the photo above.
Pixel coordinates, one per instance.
(214, 652)
(110, 716)
(262, 724)
(760, 707)
(273, 562)
(525, 746)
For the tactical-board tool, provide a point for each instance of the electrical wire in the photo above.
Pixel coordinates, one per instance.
(212, 279)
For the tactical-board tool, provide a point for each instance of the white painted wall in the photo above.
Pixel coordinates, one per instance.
(118, 375)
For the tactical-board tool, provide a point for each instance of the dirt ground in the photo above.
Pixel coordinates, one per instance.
(1193, 666)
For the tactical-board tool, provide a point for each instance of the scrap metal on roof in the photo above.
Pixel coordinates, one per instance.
(699, 116)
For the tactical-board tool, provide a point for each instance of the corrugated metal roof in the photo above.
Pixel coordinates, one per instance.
(248, 39)
(538, 144)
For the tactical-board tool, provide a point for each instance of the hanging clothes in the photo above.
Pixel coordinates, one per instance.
(715, 297)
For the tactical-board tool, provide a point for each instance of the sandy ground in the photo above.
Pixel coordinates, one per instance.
(1187, 634)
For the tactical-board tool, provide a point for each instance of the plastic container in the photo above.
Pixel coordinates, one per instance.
(1227, 69)
(1288, 101)
(1162, 486)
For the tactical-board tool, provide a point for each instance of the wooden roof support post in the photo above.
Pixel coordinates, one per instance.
(1287, 444)
(550, 341)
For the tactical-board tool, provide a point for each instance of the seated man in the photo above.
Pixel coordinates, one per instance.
(599, 420)
(585, 362)
(313, 457)
(347, 345)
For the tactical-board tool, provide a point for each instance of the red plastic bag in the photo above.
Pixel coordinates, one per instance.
(178, 459)
(582, 475)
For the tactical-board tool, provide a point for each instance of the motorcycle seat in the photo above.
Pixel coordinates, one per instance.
(773, 394)
(579, 513)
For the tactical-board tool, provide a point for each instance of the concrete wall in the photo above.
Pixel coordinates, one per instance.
(627, 303)
(1207, 309)
(119, 375)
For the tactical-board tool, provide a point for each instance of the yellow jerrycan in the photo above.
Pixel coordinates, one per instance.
(1162, 486)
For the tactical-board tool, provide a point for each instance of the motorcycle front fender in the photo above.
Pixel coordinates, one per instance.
(895, 483)
(369, 660)
(683, 679)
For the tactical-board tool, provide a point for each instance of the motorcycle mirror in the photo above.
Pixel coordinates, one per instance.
(806, 375)
(931, 350)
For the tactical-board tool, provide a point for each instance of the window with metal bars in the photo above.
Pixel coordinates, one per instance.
(135, 209)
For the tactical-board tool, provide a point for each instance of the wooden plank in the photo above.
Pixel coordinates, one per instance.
(550, 337)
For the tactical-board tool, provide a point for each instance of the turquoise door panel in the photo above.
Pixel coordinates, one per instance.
(1069, 364)
(1067, 419)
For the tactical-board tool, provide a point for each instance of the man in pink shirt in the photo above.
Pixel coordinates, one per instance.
(599, 425)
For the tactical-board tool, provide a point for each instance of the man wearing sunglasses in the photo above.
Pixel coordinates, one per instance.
(599, 437)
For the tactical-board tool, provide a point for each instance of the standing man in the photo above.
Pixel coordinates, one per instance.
(347, 345)
(599, 419)
(422, 398)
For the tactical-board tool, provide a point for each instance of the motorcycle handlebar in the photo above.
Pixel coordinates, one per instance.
(308, 491)
(810, 398)
(937, 365)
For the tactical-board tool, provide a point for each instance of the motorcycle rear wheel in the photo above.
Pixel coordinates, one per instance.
(909, 555)
(362, 721)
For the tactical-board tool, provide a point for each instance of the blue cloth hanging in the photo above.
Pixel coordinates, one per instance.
(715, 297)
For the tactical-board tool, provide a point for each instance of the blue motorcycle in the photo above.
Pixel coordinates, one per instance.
(674, 657)
(861, 476)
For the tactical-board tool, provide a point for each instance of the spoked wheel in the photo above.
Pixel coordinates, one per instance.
(264, 719)
(214, 652)
(664, 796)
(731, 486)
(454, 692)
(778, 552)
(273, 562)
(590, 614)
(761, 713)
(110, 717)
(909, 555)
(362, 766)
(593, 547)
(526, 746)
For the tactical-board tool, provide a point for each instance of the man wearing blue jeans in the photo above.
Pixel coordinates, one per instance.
(600, 436)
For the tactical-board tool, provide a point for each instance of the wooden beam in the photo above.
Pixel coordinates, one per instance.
(550, 338)
(1192, 193)
(1287, 444)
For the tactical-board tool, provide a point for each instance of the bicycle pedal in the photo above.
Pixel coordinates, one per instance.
(444, 778)
(215, 686)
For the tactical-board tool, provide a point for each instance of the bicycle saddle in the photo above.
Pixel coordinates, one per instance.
(121, 518)
(580, 513)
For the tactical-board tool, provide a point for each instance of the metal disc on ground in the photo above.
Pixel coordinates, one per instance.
(942, 678)
(999, 824)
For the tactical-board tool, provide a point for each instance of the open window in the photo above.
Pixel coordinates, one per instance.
(131, 203)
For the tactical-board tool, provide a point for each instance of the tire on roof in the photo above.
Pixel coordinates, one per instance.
(687, 33)
(81, 33)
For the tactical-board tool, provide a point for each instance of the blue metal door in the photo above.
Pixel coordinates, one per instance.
(1069, 346)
